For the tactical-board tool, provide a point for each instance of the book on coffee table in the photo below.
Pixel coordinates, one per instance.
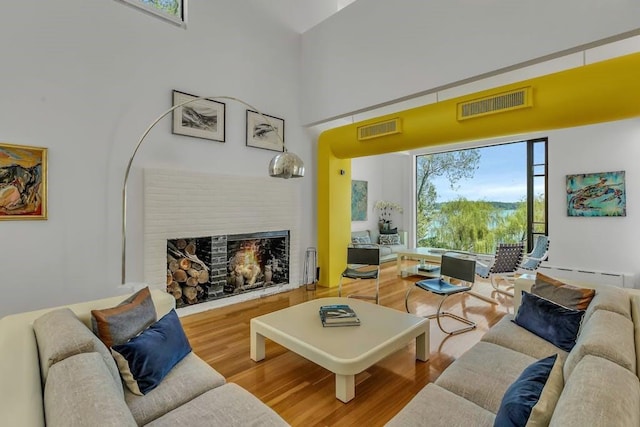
(338, 315)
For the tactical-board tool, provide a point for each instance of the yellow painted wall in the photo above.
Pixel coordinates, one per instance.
(600, 92)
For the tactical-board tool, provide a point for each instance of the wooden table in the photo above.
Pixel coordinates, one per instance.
(347, 350)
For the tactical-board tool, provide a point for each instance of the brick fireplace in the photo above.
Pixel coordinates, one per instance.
(229, 210)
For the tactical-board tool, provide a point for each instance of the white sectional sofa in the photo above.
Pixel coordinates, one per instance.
(82, 389)
(597, 385)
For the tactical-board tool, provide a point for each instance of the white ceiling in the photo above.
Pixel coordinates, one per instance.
(300, 15)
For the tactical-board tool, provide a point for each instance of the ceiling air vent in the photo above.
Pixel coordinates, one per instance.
(506, 101)
(375, 130)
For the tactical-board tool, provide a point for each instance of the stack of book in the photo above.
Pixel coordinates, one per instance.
(338, 315)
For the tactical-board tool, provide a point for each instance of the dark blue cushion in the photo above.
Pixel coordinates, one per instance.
(521, 396)
(145, 360)
(557, 324)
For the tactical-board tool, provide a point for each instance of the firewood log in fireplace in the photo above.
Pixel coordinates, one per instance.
(173, 249)
(180, 276)
(185, 264)
(203, 276)
(174, 289)
(190, 294)
(192, 281)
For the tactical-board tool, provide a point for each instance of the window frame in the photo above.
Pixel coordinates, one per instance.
(180, 21)
(530, 176)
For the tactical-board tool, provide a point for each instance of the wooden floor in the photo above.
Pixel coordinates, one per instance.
(304, 393)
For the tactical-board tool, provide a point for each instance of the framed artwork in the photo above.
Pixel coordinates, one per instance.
(596, 194)
(203, 118)
(358, 200)
(23, 182)
(263, 133)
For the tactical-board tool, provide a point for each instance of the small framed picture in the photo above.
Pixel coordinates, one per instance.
(262, 132)
(203, 118)
(23, 182)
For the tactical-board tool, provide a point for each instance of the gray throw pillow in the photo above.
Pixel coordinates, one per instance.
(117, 325)
(561, 293)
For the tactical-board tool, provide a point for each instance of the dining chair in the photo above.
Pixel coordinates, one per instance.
(462, 270)
(362, 264)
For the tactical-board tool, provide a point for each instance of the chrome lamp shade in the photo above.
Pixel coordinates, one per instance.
(286, 165)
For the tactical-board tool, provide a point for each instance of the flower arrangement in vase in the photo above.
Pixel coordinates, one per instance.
(386, 209)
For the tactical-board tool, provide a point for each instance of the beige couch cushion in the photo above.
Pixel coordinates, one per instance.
(599, 393)
(507, 334)
(609, 298)
(434, 406)
(608, 335)
(635, 314)
(80, 391)
(60, 334)
(234, 407)
(473, 375)
(187, 380)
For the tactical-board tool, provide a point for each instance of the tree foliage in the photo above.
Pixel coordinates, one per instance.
(171, 7)
(475, 226)
(454, 165)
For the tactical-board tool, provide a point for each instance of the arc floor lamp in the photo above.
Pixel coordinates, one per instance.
(283, 165)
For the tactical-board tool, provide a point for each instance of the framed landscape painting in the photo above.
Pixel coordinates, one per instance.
(23, 182)
(596, 194)
(204, 118)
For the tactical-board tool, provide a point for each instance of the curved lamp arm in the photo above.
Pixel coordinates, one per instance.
(283, 165)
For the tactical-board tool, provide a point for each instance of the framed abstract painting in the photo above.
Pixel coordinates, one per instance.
(23, 182)
(359, 200)
(596, 194)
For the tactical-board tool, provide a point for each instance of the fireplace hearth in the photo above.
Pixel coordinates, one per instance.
(208, 268)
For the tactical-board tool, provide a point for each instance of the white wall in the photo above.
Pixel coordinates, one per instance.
(377, 51)
(601, 243)
(84, 78)
(388, 179)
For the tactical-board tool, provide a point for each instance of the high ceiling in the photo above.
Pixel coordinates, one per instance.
(300, 15)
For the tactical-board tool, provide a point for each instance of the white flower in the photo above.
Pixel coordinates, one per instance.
(387, 207)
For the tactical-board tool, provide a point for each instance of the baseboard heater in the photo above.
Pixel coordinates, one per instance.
(615, 279)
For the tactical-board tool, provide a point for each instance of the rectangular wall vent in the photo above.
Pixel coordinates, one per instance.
(506, 101)
(375, 130)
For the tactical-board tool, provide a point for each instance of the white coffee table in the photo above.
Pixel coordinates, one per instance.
(345, 351)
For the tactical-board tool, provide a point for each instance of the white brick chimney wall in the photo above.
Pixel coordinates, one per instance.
(181, 204)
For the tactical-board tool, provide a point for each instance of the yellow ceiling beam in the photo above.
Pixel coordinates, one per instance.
(595, 93)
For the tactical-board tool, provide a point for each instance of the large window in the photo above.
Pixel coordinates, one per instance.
(473, 199)
(171, 10)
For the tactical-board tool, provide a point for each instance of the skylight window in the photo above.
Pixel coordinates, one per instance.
(171, 10)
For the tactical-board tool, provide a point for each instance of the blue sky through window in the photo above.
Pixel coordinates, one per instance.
(501, 177)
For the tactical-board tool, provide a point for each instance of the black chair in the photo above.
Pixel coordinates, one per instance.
(452, 267)
(362, 264)
(505, 266)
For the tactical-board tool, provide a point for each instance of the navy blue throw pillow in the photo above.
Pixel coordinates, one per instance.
(521, 396)
(146, 359)
(557, 324)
